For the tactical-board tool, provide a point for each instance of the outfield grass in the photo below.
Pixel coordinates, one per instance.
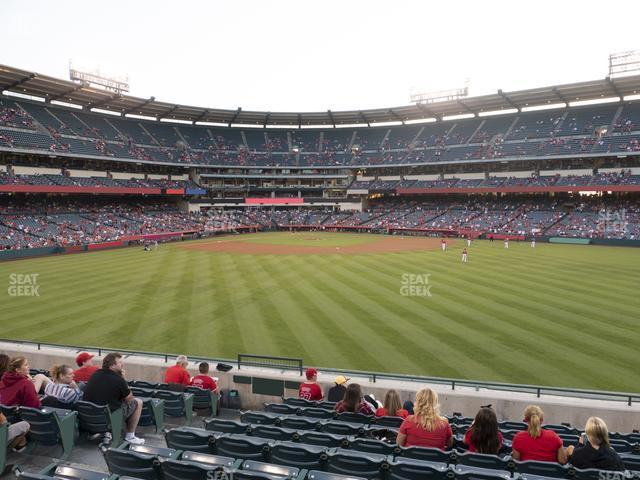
(561, 315)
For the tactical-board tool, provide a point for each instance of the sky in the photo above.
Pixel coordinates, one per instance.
(308, 55)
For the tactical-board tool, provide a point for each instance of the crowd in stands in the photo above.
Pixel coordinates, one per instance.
(67, 180)
(68, 222)
(571, 132)
(422, 425)
(622, 177)
(63, 387)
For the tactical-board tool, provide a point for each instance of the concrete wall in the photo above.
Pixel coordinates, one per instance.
(466, 400)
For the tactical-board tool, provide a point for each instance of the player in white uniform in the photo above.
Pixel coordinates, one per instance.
(506, 243)
(533, 242)
(464, 256)
(443, 245)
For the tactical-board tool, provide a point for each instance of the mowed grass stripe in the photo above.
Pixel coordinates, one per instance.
(383, 317)
(461, 299)
(299, 322)
(473, 342)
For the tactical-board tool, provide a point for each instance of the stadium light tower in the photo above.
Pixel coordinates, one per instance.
(422, 96)
(624, 62)
(96, 79)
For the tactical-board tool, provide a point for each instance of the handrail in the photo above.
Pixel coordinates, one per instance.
(538, 390)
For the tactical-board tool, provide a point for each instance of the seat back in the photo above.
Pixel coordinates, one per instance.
(43, 425)
(411, 469)
(320, 413)
(298, 402)
(361, 464)
(372, 446)
(226, 426)
(242, 446)
(545, 469)
(281, 408)
(466, 472)
(323, 439)
(173, 402)
(426, 454)
(183, 470)
(300, 423)
(202, 399)
(342, 428)
(272, 432)
(481, 460)
(389, 421)
(298, 455)
(261, 418)
(143, 384)
(134, 464)
(93, 418)
(192, 439)
(355, 417)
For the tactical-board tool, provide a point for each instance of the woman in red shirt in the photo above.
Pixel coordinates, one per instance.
(426, 427)
(352, 401)
(17, 387)
(536, 443)
(392, 404)
(484, 435)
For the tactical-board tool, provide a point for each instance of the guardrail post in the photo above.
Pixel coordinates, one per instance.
(453, 385)
(629, 402)
(538, 392)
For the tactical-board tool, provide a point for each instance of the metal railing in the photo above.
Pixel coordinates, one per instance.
(296, 364)
(284, 363)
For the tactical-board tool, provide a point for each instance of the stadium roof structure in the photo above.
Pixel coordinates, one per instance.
(54, 89)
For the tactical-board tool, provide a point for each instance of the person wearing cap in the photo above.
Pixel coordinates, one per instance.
(178, 373)
(311, 390)
(336, 393)
(84, 360)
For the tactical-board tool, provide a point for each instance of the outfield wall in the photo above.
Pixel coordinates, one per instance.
(259, 385)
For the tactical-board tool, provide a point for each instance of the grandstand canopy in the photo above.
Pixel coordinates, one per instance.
(54, 89)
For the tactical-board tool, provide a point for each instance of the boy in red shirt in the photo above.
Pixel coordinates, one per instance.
(203, 380)
(311, 390)
(84, 360)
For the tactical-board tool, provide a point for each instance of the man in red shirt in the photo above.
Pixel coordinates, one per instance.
(311, 390)
(84, 360)
(178, 373)
(203, 380)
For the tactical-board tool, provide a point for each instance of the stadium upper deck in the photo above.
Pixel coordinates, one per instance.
(609, 129)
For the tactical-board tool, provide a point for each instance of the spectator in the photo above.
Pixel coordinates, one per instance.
(484, 435)
(595, 452)
(203, 380)
(178, 373)
(4, 364)
(17, 434)
(84, 360)
(108, 387)
(336, 393)
(426, 427)
(311, 390)
(353, 402)
(536, 443)
(17, 387)
(392, 404)
(63, 388)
